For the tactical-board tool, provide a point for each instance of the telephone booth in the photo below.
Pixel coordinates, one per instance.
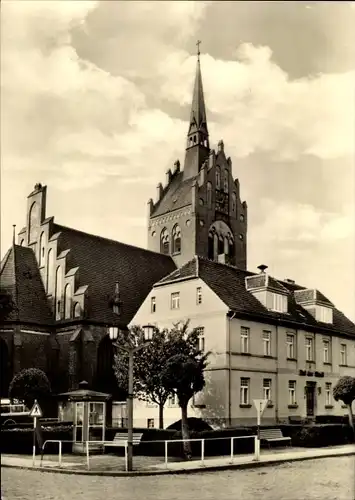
(87, 410)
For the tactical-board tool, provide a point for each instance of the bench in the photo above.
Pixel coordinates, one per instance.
(120, 439)
(273, 435)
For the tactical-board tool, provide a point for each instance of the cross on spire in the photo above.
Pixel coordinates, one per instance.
(198, 48)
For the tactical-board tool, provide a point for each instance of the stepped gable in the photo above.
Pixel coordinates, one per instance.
(20, 277)
(103, 262)
(178, 194)
(228, 282)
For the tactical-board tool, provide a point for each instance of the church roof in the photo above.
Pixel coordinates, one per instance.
(21, 279)
(178, 194)
(228, 282)
(103, 262)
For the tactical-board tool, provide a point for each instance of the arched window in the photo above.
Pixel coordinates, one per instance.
(226, 245)
(58, 292)
(220, 245)
(176, 239)
(42, 249)
(77, 310)
(50, 272)
(67, 301)
(218, 178)
(209, 194)
(225, 181)
(164, 242)
(234, 203)
(32, 219)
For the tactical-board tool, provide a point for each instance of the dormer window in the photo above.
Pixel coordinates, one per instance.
(316, 304)
(268, 291)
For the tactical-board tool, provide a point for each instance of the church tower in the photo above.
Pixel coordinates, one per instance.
(199, 211)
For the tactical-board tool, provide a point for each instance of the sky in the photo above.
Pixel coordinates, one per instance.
(95, 100)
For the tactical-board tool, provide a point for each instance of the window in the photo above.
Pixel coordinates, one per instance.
(234, 203)
(218, 178)
(267, 343)
(164, 242)
(244, 391)
(173, 400)
(292, 392)
(326, 351)
(176, 240)
(267, 388)
(328, 394)
(150, 423)
(309, 349)
(198, 295)
(41, 250)
(201, 338)
(175, 300)
(276, 302)
(67, 301)
(225, 181)
(77, 310)
(290, 346)
(58, 291)
(244, 337)
(153, 305)
(343, 360)
(324, 314)
(209, 194)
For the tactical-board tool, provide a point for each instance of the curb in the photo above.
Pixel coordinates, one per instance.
(196, 470)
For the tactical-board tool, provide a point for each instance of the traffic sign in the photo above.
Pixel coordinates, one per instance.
(36, 411)
(260, 405)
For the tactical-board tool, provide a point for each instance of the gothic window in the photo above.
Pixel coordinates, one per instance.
(67, 301)
(231, 248)
(234, 203)
(42, 250)
(58, 292)
(77, 310)
(176, 239)
(220, 245)
(226, 245)
(225, 181)
(164, 242)
(32, 219)
(50, 271)
(209, 194)
(218, 178)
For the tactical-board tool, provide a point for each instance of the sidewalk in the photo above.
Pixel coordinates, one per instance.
(268, 457)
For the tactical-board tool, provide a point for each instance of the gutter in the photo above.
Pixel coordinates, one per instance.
(230, 318)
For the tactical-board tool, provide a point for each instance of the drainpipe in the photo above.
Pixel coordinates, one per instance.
(277, 375)
(230, 318)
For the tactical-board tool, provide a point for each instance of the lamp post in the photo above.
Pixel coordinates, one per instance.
(148, 331)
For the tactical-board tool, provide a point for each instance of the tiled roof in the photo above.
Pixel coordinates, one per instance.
(264, 280)
(311, 295)
(177, 195)
(103, 262)
(187, 271)
(20, 277)
(228, 282)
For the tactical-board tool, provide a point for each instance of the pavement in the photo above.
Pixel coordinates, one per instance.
(194, 466)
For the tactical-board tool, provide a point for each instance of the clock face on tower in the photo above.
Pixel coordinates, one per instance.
(222, 203)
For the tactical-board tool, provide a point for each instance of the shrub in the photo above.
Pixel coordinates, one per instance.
(19, 440)
(319, 435)
(30, 384)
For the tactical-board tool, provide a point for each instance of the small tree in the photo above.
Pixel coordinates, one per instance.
(148, 366)
(184, 373)
(345, 391)
(28, 385)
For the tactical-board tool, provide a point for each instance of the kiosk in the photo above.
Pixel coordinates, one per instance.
(87, 410)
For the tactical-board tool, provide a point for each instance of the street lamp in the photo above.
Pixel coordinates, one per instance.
(148, 331)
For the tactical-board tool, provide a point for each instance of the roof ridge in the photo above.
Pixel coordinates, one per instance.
(109, 240)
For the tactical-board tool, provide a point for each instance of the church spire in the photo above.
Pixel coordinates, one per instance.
(197, 147)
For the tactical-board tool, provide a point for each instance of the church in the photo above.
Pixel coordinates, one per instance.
(69, 287)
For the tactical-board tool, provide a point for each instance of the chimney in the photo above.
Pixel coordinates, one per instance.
(262, 268)
(287, 280)
(159, 191)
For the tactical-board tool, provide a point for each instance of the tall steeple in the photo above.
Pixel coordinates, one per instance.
(197, 147)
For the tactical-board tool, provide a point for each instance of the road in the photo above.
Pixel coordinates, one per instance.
(323, 479)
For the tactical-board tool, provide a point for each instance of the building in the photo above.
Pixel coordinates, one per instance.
(69, 287)
(269, 339)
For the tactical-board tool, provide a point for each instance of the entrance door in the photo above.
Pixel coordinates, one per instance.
(310, 399)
